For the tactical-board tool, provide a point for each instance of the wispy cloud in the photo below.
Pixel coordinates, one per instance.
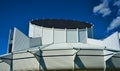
(104, 10)
(114, 24)
(116, 21)
(116, 3)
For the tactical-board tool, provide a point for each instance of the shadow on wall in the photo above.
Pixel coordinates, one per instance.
(110, 64)
(41, 60)
(78, 62)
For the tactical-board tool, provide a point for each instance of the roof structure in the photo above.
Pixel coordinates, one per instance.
(61, 23)
(57, 44)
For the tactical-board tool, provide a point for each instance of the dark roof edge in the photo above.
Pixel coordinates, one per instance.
(61, 23)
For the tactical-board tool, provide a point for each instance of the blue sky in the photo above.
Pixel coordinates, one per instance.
(104, 14)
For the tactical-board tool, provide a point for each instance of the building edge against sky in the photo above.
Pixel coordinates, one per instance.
(55, 44)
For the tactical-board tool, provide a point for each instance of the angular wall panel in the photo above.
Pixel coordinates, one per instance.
(112, 42)
(20, 41)
(9, 50)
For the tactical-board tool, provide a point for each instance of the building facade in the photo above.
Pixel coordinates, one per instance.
(57, 44)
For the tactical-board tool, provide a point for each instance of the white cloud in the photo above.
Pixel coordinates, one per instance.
(116, 21)
(105, 12)
(98, 8)
(116, 3)
(114, 24)
(102, 8)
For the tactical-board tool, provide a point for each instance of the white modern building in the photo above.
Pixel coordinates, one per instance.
(56, 44)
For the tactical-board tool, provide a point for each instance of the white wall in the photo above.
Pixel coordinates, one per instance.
(90, 32)
(82, 35)
(59, 35)
(20, 41)
(4, 67)
(72, 35)
(119, 35)
(95, 42)
(37, 31)
(31, 30)
(112, 42)
(47, 36)
(26, 63)
(35, 42)
(86, 59)
(55, 35)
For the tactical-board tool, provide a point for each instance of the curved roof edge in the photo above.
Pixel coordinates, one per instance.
(61, 23)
